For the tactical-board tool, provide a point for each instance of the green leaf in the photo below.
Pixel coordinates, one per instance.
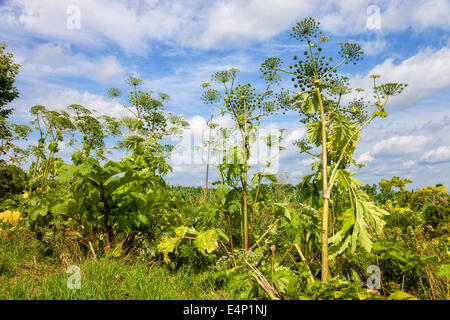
(270, 177)
(284, 278)
(359, 225)
(143, 219)
(401, 295)
(444, 270)
(314, 132)
(285, 209)
(181, 231)
(168, 245)
(207, 241)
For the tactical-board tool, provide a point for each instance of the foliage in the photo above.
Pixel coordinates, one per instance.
(8, 73)
(335, 127)
(12, 180)
(251, 236)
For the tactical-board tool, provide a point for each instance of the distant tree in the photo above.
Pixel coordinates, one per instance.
(8, 92)
(12, 179)
(8, 73)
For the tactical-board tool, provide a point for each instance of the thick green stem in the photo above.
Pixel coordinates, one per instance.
(246, 247)
(205, 191)
(108, 231)
(325, 195)
(47, 166)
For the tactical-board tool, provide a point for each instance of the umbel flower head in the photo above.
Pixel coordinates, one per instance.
(222, 76)
(205, 84)
(210, 96)
(390, 89)
(306, 29)
(339, 86)
(269, 70)
(113, 92)
(351, 51)
(133, 81)
(163, 96)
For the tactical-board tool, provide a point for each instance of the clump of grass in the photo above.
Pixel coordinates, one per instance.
(113, 280)
(26, 273)
(6, 266)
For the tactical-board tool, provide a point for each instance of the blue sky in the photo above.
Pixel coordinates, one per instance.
(175, 45)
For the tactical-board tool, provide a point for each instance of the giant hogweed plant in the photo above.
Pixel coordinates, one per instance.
(247, 108)
(334, 127)
(147, 123)
(229, 192)
(94, 130)
(52, 127)
(238, 195)
(117, 197)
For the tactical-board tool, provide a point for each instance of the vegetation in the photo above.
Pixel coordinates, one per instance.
(250, 236)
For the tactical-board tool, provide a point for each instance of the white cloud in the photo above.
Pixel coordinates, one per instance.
(394, 15)
(133, 25)
(295, 135)
(58, 59)
(421, 14)
(190, 149)
(373, 47)
(109, 69)
(438, 155)
(128, 24)
(60, 99)
(409, 164)
(426, 73)
(365, 157)
(238, 22)
(400, 145)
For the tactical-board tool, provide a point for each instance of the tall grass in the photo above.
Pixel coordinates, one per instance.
(26, 273)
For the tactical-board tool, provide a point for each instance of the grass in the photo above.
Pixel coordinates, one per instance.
(27, 273)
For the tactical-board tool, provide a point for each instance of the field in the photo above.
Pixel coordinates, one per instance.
(104, 223)
(34, 264)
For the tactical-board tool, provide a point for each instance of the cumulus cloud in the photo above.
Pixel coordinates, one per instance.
(129, 24)
(238, 22)
(400, 145)
(365, 157)
(60, 99)
(214, 24)
(421, 14)
(109, 69)
(438, 155)
(426, 73)
(373, 47)
(409, 164)
(57, 58)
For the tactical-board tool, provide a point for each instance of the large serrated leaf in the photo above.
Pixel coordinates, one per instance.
(207, 241)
